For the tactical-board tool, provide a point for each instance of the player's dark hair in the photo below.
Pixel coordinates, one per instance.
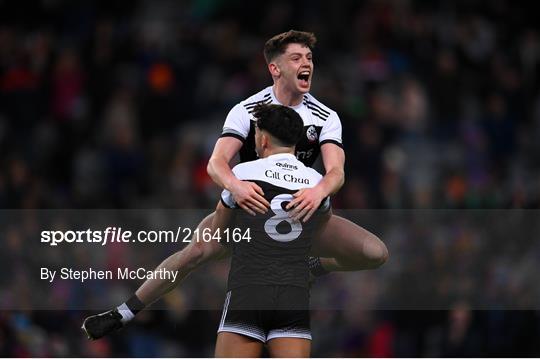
(278, 44)
(283, 123)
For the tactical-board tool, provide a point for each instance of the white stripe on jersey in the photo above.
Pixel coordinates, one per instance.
(313, 113)
(225, 308)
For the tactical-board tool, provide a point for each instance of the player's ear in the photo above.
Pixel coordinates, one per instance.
(274, 69)
(264, 140)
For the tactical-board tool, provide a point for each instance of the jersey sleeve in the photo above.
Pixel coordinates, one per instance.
(228, 200)
(237, 123)
(325, 205)
(331, 131)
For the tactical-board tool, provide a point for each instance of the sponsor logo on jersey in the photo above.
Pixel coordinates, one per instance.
(286, 177)
(311, 134)
(286, 166)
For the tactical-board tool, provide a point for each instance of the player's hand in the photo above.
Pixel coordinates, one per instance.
(305, 203)
(250, 197)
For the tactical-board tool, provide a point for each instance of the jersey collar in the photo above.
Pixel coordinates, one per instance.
(275, 100)
(278, 156)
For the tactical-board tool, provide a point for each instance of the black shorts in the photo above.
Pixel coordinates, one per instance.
(265, 312)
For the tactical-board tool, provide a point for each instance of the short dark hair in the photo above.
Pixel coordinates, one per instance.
(278, 44)
(283, 123)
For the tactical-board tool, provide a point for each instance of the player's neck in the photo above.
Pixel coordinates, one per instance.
(287, 97)
(277, 150)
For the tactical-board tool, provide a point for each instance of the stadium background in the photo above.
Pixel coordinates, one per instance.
(118, 105)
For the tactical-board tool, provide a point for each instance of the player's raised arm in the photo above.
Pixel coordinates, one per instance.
(333, 158)
(218, 165)
(248, 195)
(307, 200)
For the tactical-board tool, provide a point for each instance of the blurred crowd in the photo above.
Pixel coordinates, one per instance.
(118, 105)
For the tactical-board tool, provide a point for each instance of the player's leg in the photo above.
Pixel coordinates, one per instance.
(184, 261)
(290, 328)
(241, 330)
(233, 345)
(345, 246)
(195, 254)
(289, 347)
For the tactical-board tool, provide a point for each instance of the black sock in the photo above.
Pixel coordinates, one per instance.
(315, 267)
(135, 305)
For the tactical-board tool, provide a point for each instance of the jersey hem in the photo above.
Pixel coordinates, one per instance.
(237, 286)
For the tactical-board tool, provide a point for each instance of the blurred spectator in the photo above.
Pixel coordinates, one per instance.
(117, 105)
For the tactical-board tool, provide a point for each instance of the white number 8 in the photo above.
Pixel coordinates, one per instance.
(270, 226)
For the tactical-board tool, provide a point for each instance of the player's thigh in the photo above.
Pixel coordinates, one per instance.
(289, 347)
(342, 238)
(290, 328)
(237, 345)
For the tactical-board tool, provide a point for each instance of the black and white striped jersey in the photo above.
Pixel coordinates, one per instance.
(278, 248)
(321, 125)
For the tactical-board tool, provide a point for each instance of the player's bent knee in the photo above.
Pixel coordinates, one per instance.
(368, 253)
(376, 251)
(381, 255)
(202, 252)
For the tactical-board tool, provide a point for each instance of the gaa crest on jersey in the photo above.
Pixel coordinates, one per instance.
(311, 134)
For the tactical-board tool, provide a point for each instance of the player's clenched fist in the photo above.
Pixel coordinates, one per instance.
(250, 197)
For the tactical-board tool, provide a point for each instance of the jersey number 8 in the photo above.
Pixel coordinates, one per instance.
(270, 226)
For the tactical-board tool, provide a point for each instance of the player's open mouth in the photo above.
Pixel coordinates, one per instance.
(303, 76)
